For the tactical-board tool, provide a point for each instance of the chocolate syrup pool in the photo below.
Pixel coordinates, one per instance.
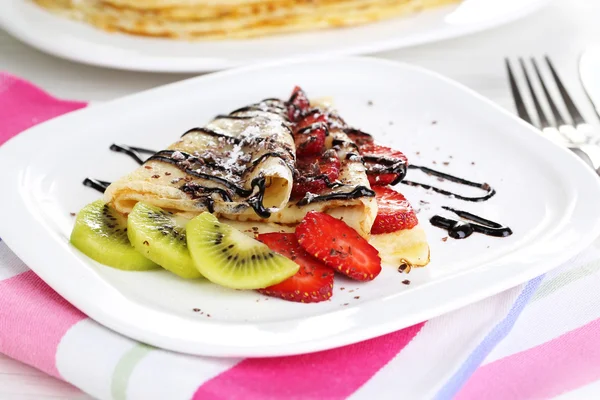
(471, 223)
(462, 230)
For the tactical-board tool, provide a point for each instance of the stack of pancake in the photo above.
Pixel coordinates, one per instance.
(225, 19)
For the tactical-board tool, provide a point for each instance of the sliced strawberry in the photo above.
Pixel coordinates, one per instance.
(379, 179)
(309, 134)
(310, 142)
(394, 212)
(378, 151)
(298, 104)
(338, 246)
(359, 137)
(315, 173)
(313, 117)
(385, 166)
(312, 283)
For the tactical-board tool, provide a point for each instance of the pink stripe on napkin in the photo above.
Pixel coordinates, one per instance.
(560, 365)
(331, 374)
(23, 105)
(33, 319)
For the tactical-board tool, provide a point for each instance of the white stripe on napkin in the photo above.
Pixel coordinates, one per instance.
(437, 351)
(87, 356)
(567, 308)
(153, 378)
(10, 265)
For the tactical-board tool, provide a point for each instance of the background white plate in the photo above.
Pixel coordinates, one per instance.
(545, 194)
(80, 42)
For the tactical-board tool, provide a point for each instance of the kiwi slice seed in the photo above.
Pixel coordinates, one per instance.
(160, 236)
(229, 258)
(100, 232)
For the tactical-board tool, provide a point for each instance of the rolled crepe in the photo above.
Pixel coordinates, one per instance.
(350, 200)
(241, 167)
(239, 164)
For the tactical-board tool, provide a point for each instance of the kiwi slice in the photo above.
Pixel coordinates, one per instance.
(160, 236)
(229, 258)
(100, 232)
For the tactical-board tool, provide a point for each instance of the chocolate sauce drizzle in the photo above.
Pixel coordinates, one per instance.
(256, 201)
(375, 165)
(271, 105)
(230, 139)
(462, 229)
(204, 194)
(357, 192)
(382, 165)
(342, 143)
(238, 117)
(96, 184)
(131, 151)
(490, 192)
(191, 164)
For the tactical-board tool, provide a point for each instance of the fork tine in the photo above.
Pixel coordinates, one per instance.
(538, 107)
(519, 103)
(558, 118)
(573, 111)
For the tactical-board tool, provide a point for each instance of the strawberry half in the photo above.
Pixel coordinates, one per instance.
(385, 166)
(315, 173)
(394, 212)
(309, 135)
(312, 283)
(298, 104)
(338, 246)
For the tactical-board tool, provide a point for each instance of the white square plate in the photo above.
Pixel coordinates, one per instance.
(545, 194)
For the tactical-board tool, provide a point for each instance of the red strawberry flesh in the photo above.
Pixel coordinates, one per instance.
(315, 173)
(309, 134)
(394, 212)
(311, 284)
(385, 166)
(338, 246)
(298, 104)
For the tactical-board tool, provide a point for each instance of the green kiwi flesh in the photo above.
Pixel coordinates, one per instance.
(229, 258)
(160, 236)
(100, 232)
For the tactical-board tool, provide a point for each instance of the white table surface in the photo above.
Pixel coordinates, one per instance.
(562, 30)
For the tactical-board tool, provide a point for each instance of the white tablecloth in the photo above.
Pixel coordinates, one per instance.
(562, 30)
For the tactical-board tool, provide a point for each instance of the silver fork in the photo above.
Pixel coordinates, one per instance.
(577, 135)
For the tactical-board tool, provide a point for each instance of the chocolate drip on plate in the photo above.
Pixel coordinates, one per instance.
(133, 152)
(490, 192)
(461, 229)
(96, 184)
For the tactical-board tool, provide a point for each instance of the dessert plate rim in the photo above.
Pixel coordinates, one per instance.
(77, 41)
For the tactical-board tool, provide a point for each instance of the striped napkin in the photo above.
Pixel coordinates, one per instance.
(538, 340)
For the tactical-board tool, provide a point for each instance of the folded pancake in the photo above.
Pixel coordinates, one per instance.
(263, 167)
(238, 164)
(210, 19)
(349, 198)
(242, 166)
